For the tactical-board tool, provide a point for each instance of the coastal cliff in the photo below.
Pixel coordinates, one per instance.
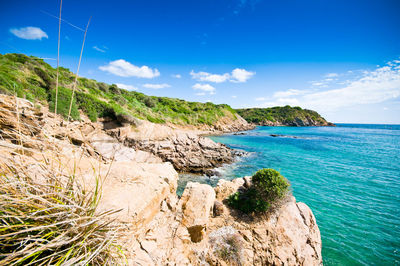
(283, 116)
(155, 226)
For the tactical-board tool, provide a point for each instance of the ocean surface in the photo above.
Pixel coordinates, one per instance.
(348, 175)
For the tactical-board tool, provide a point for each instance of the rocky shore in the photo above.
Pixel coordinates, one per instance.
(296, 123)
(136, 167)
(186, 148)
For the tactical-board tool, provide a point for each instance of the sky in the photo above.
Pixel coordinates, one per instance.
(340, 58)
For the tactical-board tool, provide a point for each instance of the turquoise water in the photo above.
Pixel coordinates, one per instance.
(349, 175)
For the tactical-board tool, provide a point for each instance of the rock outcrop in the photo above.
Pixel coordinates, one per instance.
(188, 151)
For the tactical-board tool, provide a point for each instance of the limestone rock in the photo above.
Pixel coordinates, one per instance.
(196, 203)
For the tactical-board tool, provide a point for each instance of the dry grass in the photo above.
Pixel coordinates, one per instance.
(51, 220)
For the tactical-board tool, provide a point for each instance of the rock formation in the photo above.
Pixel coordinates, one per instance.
(157, 227)
(187, 150)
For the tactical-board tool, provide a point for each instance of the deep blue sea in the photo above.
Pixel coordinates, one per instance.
(348, 175)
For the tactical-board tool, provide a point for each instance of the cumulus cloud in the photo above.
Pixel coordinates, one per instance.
(156, 86)
(237, 76)
(260, 99)
(177, 76)
(241, 75)
(204, 76)
(204, 87)
(29, 33)
(123, 68)
(126, 87)
(201, 93)
(373, 86)
(99, 49)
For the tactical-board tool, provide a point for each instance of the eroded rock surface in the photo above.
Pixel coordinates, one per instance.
(186, 150)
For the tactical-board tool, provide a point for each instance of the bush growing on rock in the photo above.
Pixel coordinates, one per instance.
(267, 187)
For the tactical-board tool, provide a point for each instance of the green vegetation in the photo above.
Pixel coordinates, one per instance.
(31, 78)
(54, 223)
(285, 115)
(267, 187)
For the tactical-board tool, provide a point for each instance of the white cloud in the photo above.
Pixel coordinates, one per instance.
(237, 76)
(241, 75)
(374, 86)
(201, 93)
(234, 96)
(99, 49)
(259, 99)
(332, 75)
(156, 86)
(123, 68)
(126, 87)
(204, 87)
(319, 84)
(29, 33)
(177, 76)
(204, 76)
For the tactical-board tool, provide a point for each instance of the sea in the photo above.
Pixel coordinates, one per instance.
(349, 175)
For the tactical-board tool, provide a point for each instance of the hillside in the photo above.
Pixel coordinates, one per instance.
(32, 78)
(283, 116)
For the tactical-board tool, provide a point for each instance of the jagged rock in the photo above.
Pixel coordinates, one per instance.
(197, 202)
(187, 151)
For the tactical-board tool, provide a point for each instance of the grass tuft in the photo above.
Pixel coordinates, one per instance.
(51, 220)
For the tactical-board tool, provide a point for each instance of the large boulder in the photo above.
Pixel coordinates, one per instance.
(197, 203)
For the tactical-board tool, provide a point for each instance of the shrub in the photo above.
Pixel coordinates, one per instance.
(150, 102)
(64, 98)
(94, 107)
(45, 77)
(268, 186)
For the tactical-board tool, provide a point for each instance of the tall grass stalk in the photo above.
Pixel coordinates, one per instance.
(77, 71)
(52, 219)
(58, 57)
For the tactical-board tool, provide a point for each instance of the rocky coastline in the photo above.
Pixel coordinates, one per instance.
(296, 123)
(136, 166)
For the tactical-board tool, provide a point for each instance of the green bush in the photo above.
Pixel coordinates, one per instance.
(93, 107)
(268, 186)
(64, 98)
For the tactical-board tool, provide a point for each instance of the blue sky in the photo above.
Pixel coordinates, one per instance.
(340, 58)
